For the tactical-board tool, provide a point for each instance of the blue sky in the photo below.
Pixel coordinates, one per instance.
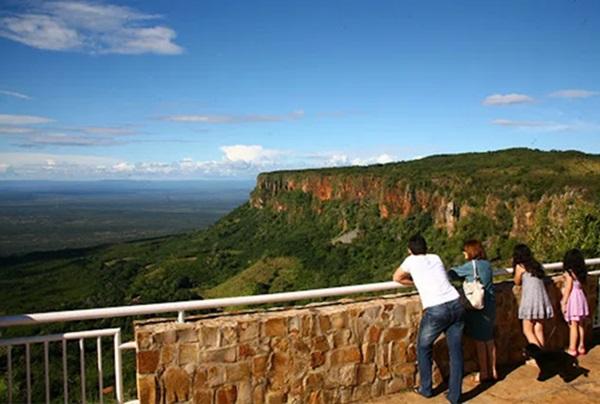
(204, 89)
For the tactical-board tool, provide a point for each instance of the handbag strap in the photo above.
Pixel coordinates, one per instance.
(475, 273)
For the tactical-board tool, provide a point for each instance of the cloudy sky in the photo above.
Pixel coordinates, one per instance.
(204, 89)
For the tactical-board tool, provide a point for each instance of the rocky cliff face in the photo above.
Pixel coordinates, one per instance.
(447, 204)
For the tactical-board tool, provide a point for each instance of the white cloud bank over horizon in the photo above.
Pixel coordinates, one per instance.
(88, 27)
(237, 161)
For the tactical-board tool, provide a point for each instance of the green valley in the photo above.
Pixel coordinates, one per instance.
(284, 238)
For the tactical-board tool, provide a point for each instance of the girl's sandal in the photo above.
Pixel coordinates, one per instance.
(572, 352)
(581, 351)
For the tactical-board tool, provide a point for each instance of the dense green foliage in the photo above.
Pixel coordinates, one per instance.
(252, 250)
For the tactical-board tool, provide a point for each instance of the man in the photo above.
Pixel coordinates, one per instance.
(442, 312)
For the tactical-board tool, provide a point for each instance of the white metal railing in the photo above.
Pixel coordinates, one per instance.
(180, 308)
(81, 336)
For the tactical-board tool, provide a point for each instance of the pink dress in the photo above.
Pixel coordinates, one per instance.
(577, 306)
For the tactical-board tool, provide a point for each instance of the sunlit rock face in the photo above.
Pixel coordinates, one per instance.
(448, 201)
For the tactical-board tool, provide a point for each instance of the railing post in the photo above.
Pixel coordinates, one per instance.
(46, 371)
(9, 366)
(100, 371)
(596, 319)
(82, 369)
(65, 375)
(181, 316)
(118, 368)
(28, 371)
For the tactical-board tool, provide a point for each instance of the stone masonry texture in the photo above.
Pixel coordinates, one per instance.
(339, 352)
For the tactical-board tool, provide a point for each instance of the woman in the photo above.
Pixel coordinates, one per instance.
(479, 324)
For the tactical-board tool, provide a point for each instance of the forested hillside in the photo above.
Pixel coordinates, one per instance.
(319, 228)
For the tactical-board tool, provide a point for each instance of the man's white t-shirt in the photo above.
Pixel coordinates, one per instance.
(430, 278)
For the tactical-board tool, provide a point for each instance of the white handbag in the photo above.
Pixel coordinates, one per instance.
(474, 291)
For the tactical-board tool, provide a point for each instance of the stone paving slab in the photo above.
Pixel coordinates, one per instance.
(520, 386)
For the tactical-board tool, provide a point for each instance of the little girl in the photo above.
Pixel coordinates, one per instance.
(574, 302)
(535, 304)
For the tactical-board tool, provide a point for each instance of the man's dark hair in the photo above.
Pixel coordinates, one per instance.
(417, 245)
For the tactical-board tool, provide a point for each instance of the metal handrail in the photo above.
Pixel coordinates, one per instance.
(115, 333)
(181, 307)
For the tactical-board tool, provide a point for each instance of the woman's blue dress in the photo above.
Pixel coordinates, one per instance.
(479, 324)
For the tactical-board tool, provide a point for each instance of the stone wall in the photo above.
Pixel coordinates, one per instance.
(340, 352)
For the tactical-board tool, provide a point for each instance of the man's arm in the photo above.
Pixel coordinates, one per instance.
(402, 277)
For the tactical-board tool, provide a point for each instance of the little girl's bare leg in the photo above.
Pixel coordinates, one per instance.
(581, 330)
(529, 332)
(538, 329)
(491, 353)
(573, 330)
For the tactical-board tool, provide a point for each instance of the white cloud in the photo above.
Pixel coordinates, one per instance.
(136, 41)
(228, 118)
(337, 159)
(40, 31)
(384, 159)
(573, 93)
(365, 161)
(4, 168)
(67, 139)
(89, 27)
(15, 94)
(70, 136)
(14, 130)
(521, 124)
(37, 159)
(507, 99)
(547, 126)
(23, 119)
(106, 130)
(253, 154)
(123, 167)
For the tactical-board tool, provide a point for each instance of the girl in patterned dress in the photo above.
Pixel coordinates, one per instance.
(535, 304)
(574, 302)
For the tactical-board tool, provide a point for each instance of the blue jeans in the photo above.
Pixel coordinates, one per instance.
(444, 318)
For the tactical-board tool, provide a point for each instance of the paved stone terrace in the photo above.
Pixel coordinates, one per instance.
(520, 386)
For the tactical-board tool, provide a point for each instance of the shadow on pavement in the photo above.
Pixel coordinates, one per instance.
(503, 372)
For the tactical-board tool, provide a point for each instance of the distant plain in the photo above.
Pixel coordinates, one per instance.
(47, 215)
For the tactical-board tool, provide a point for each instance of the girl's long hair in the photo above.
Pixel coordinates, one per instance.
(574, 263)
(522, 255)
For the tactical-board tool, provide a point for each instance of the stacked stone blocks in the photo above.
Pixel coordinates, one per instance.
(340, 352)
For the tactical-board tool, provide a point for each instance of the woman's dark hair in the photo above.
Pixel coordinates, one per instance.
(523, 256)
(474, 250)
(417, 245)
(574, 263)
